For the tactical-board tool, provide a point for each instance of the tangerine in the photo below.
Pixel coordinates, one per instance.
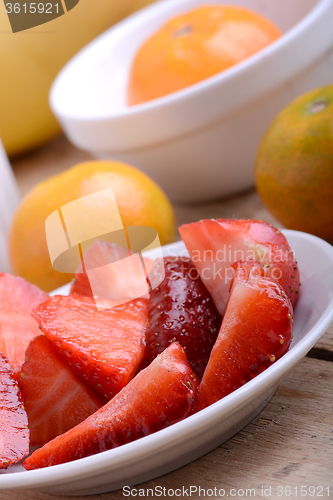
(140, 203)
(294, 165)
(194, 46)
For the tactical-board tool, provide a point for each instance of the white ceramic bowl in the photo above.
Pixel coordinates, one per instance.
(198, 143)
(179, 444)
(9, 199)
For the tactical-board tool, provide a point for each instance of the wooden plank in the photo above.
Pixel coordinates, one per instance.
(286, 446)
(55, 157)
(326, 342)
(59, 155)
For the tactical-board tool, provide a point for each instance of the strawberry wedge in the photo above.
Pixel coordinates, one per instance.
(181, 309)
(14, 433)
(104, 347)
(17, 299)
(256, 331)
(55, 398)
(214, 245)
(113, 272)
(160, 395)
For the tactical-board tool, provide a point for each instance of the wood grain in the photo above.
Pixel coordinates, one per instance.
(59, 155)
(326, 342)
(50, 160)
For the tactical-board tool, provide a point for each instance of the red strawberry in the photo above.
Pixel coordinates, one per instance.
(14, 433)
(17, 327)
(256, 331)
(81, 285)
(157, 397)
(113, 272)
(214, 245)
(182, 310)
(105, 347)
(55, 398)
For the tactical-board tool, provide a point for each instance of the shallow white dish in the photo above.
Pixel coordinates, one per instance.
(198, 143)
(185, 441)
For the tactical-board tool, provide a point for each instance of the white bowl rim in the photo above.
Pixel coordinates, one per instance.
(279, 48)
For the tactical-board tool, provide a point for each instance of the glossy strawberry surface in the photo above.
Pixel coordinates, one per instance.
(55, 398)
(256, 331)
(181, 309)
(17, 299)
(104, 347)
(214, 245)
(14, 433)
(160, 395)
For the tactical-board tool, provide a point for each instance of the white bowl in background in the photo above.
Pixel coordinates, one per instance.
(198, 143)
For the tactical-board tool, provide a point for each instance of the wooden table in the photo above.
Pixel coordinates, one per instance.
(289, 444)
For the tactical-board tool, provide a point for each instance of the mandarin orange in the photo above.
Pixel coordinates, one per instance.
(140, 202)
(194, 46)
(294, 164)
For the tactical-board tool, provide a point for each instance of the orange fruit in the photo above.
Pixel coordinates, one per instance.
(140, 202)
(195, 46)
(294, 165)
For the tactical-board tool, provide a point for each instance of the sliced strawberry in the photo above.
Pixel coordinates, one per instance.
(244, 270)
(214, 245)
(98, 254)
(157, 397)
(55, 398)
(81, 285)
(110, 271)
(105, 347)
(17, 299)
(182, 310)
(14, 432)
(256, 331)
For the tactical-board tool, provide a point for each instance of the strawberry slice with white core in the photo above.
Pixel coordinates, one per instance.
(104, 347)
(160, 395)
(256, 331)
(214, 245)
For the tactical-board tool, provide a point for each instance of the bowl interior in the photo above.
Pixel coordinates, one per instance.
(315, 305)
(93, 85)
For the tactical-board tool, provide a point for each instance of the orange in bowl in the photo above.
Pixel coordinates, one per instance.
(194, 46)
